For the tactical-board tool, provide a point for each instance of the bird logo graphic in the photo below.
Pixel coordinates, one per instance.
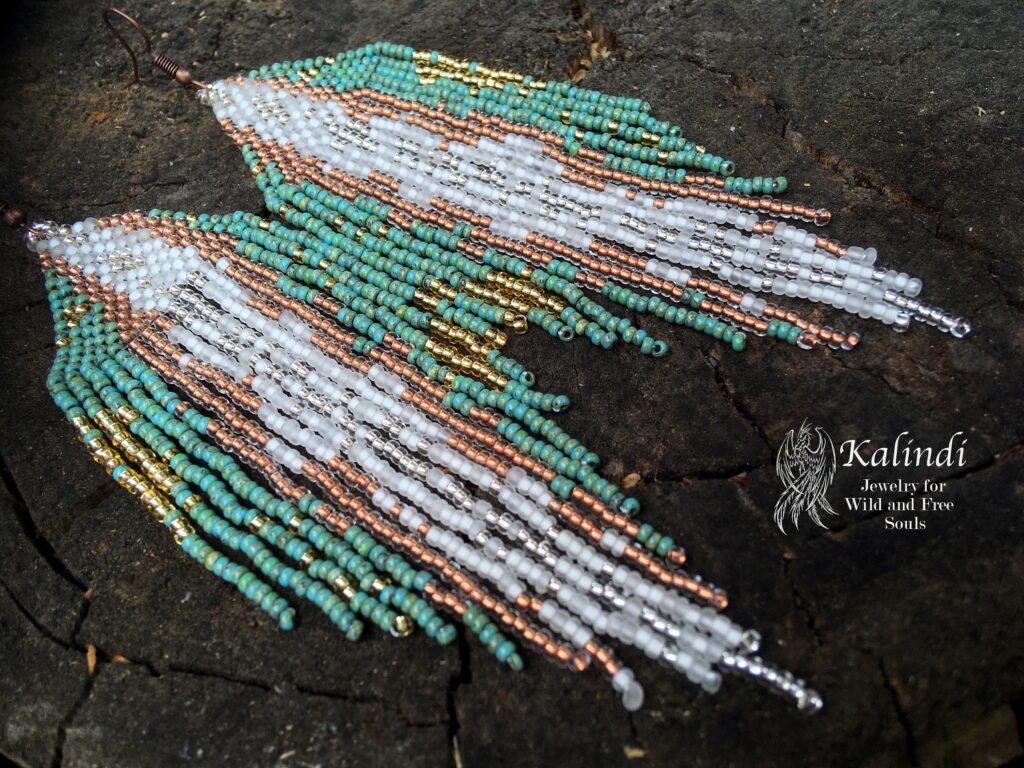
(806, 467)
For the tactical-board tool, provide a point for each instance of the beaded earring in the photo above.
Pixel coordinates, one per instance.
(319, 404)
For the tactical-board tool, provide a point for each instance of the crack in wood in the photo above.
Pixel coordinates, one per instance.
(39, 542)
(895, 696)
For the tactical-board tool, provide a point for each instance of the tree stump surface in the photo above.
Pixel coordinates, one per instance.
(903, 118)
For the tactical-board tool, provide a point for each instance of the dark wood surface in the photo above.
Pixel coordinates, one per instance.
(904, 118)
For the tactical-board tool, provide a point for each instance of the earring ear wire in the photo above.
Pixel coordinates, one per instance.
(162, 62)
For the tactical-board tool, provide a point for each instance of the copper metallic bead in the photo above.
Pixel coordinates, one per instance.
(13, 217)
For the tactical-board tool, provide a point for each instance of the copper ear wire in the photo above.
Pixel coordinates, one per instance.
(164, 63)
(146, 44)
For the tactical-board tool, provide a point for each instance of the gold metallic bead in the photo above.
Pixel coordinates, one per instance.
(127, 413)
(343, 586)
(404, 626)
(341, 582)
(256, 524)
(307, 559)
(161, 507)
(446, 291)
(150, 498)
(493, 335)
(474, 288)
(181, 529)
(103, 453)
(662, 157)
(295, 523)
(144, 453)
(430, 302)
(161, 511)
(63, 341)
(191, 502)
(166, 480)
(133, 484)
(519, 306)
(158, 473)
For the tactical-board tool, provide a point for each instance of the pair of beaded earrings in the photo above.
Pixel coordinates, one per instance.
(318, 403)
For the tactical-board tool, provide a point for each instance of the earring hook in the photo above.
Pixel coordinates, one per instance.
(158, 60)
(146, 42)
